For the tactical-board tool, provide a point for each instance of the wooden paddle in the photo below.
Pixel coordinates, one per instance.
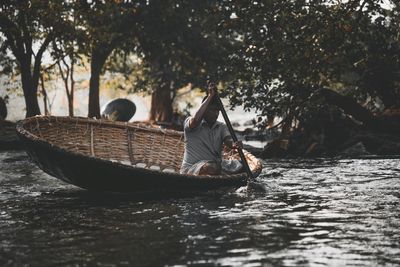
(234, 138)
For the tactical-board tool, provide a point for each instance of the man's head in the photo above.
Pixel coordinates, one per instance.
(212, 111)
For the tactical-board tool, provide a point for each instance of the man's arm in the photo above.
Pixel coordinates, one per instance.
(198, 116)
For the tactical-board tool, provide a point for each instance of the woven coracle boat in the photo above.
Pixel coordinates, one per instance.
(115, 156)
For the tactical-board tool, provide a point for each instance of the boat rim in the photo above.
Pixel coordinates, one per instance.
(43, 142)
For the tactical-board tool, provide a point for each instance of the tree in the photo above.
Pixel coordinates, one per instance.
(178, 45)
(293, 49)
(66, 71)
(107, 25)
(66, 54)
(26, 25)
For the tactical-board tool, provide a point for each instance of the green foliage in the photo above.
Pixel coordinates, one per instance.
(177, 45)
(290, 49)
(271, 55)
(105, 24)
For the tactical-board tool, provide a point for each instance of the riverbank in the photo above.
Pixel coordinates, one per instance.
(266, 144)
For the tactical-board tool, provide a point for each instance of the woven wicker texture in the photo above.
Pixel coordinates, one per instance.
(127, 143)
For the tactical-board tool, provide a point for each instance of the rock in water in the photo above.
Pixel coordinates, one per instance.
(120, 109)
(357, 149)
(3, 109)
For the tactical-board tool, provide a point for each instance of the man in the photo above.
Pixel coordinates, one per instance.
(204, 136)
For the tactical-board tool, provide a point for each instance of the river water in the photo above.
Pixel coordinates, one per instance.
(313, 213)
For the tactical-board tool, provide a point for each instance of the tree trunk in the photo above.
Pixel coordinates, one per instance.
(30, 91)
(44, 92)
(358, 112)
(161, 104)
(70, 104)
(68, 79)
(71, 92)
(99, 57)
(94, 96)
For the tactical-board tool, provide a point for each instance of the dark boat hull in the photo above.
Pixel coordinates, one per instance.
(104, 175)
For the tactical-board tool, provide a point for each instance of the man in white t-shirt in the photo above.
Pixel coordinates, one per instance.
(204, 137)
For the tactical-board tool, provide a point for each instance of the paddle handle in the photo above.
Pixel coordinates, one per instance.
(234, 138)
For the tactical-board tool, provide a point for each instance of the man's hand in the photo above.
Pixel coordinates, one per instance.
(232, 145)
(212, 89)
(238, 144)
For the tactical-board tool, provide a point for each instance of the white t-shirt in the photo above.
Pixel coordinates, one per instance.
(203, 143)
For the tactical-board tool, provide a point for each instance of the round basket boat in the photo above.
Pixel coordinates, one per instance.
(117, 157)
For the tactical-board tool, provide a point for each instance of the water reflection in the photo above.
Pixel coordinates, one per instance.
(315, 212)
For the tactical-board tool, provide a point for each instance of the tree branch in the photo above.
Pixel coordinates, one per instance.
(26, 37)
(38, 59)
(358, 112)
(10, 30)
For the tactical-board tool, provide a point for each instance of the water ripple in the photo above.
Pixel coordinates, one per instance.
(314, 212)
